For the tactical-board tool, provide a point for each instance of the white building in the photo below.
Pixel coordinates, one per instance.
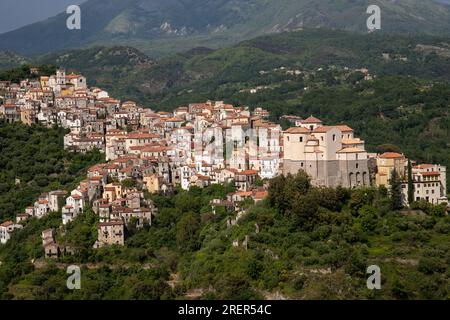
(430, 184)
(6, 228)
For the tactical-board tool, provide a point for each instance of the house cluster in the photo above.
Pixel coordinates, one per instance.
(115, 203)
(52, 249)
(199, 144)
(429, 181)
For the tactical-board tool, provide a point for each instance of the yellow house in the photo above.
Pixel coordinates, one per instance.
(152, 183)
(386, 164)
(112, 192)
(27, 116)
(44, 81)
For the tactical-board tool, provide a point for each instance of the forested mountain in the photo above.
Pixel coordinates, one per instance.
(422, 56)
(10, 59)
(158, 27)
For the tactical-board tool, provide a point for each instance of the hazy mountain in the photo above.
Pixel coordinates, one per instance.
(18, 13)
(161, 26)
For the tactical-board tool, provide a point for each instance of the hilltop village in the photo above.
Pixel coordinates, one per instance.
(195, 145)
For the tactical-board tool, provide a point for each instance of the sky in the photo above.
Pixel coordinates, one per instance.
(18, 13)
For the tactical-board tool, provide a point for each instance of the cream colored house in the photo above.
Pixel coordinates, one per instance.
(330, 155)
(430, 184)
(111, 233)
(386, 163)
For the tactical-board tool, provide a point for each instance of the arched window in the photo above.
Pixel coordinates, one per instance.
(358, 178)
(350, 179)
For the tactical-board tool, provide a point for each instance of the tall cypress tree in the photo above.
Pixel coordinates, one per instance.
(410, 183)
(396, 191)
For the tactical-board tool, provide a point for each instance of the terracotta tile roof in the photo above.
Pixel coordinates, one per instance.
(391, 155)
(6, 224)
(248, 172)
(297, 130)
(324, 129)
(141, 135)
(431, 173)
(351, 150)
(423, 166)
(260, 194)
(111, 223)
(312, 119)
(244, 193)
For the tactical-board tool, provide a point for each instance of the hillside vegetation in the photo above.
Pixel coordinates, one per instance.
(33, 161)
(304, 243)
(308, 49)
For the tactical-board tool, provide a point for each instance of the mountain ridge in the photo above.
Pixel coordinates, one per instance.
(159, 27)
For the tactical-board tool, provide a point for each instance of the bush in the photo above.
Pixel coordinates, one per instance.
(299, 282)
(430, 265)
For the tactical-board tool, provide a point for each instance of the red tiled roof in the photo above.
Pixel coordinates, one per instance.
(423, 166)
(324, 129)
(392, 155)
(248, 172)
(6, 224)
(312, 119)
(297, 130)
(431, 173)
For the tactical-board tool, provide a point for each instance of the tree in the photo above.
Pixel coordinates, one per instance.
(276, 193)
(305, 211)
(396, 191)
(410, 184)
(128, 183)
(282, 190)
(368, 218)
(187, 232)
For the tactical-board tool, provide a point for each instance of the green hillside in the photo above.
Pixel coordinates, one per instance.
(10, 60)
(36, 158)
(426, 57)
(304, 243)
